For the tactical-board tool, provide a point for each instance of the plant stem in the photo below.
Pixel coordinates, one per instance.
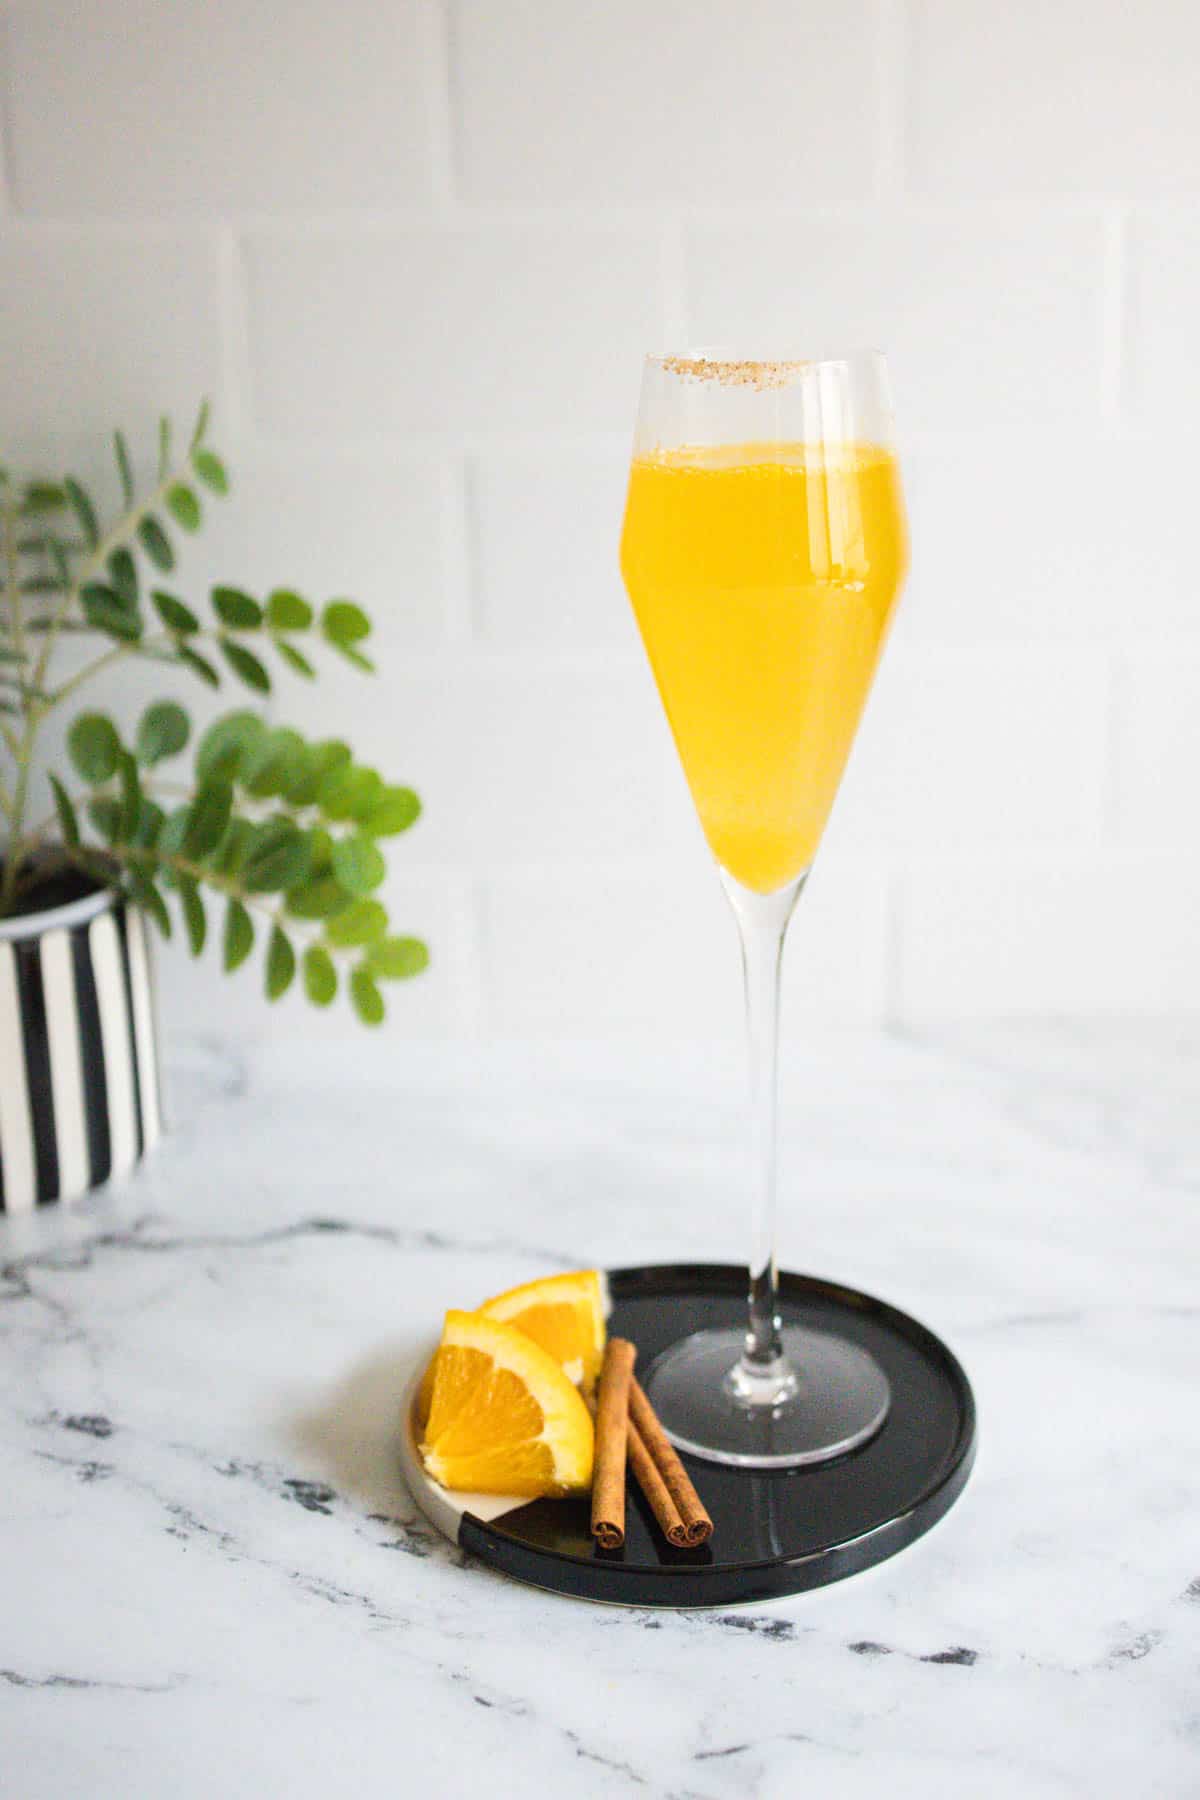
(22, 745)
(136, 647)
(230, 886)
(11, 579)
(125, 527)
(38, 703)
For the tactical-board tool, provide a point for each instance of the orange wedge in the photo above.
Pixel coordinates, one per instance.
(562, 1313)
(503, 1417)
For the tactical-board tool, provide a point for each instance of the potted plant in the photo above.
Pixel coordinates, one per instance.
(272, 839)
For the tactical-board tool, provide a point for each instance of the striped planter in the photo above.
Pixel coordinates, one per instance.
(79, 1082)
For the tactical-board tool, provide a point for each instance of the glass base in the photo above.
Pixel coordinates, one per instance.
(835, 1397)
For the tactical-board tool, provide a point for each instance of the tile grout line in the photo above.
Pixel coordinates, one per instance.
(8, 198)
(235, 375)
(1110, 799)
(893, 940)
(442, 110)
(470, 997)
(1115, 322)
(893, 36)
(673, 301)
(460, 555)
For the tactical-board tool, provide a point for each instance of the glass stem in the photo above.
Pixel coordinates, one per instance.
(762, 1377)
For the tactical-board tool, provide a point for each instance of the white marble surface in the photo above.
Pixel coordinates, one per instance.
(214, 1583)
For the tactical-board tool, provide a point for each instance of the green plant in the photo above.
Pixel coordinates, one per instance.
(275, 827)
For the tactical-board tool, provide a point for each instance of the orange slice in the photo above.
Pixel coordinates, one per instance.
(562, 1313)
(503, 1417)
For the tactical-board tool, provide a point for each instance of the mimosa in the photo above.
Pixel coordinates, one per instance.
(763, 577)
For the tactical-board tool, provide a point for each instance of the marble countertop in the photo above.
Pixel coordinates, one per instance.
(215, 1584)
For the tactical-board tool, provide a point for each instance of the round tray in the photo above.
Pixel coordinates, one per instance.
(775, 1532)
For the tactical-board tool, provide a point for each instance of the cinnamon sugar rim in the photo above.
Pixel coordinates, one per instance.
(752, 372)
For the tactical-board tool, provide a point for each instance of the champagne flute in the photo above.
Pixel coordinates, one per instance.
(764, 548)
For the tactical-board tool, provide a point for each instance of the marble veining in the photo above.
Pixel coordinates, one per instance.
(215, 1583)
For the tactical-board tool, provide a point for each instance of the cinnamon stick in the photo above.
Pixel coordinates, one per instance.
(687, 1521)
(612, 1416)
(656, 1491)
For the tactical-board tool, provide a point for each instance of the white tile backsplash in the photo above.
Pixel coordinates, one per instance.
(760, 104)
(545, 534)
(414, 252)
(1059, 97)
(992, 320)
(1158, 746)
(530, 327)
(1105, 933)
(103, 327)
(143, 108)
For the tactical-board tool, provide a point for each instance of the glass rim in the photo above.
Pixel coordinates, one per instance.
(712, 361)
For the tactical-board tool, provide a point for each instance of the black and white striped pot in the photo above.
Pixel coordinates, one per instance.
(79, 1073)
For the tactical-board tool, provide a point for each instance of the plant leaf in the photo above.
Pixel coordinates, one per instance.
(280, 759)
(342, 623)
(105, 814)
(208, 817)
(228, 744)
(397, 958)
(164, 447)
(322, 758)
(357, 658)
(201, 425)
(68, 822)
(124, 467)
(348, 791)
(123, 574)
(194, 917)
(150, 900)
(104, 610)
(230, 853)
(58, 556)
(173, 832)
(368, 1001)
(318, 898)
(173, 613)
(238, 940)
(183, 506)
(156, 544)
(94, 746)
(295, 659)
(358, 863)
(131, 794)
(85, 512)
(148, 825)
(43, 497)
(395, 809)
(279, 856)
(320, 975)
(288, 611)
(246, 665)
(211, 470)
(281, 963)
(236, 609)
(199, 665)
(163, 731)
(363, 923)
